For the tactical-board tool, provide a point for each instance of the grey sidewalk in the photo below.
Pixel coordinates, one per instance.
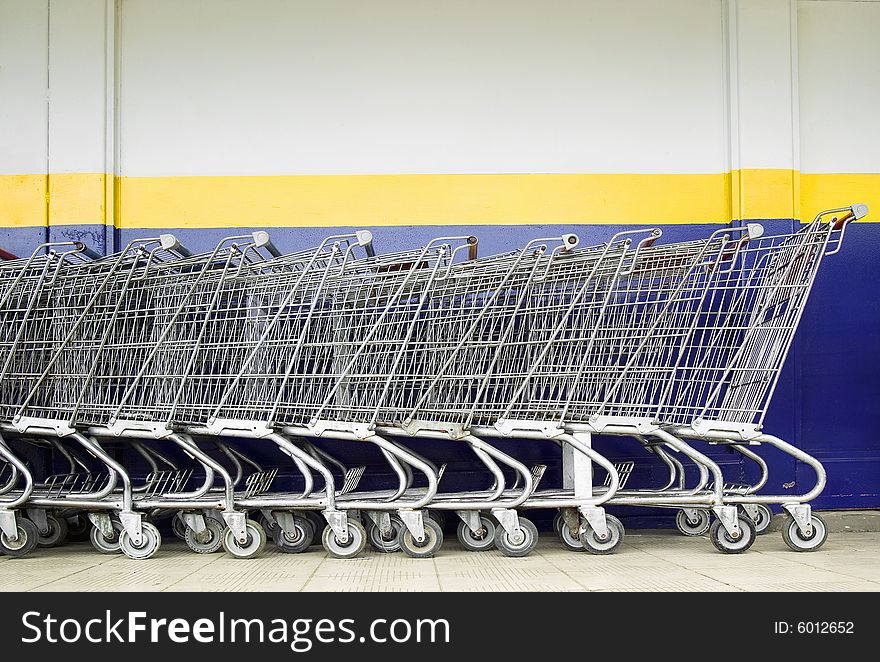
(647, 561)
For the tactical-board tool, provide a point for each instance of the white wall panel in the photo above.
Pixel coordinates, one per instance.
(23, 86)
(77, 92)
(395, 86)
(839, 62)
(764, 83)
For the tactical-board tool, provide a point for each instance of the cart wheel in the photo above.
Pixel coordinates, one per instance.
(558, 520)
(27, 540)
(692, 527)
(595, 545)
(425, 549)
(357, 540)
(78, 528)
(57, 533)
(796, 540)
(762, 519)
(151, 540)
(103, 544)
(298, 540)
(382, 544)
(178, 526)
(520, 544)
(208, 541)
(477, 542)
(571, 540)
(255, 541)
(267, 524)
(438, 516)
(318, 525)
(724, 542)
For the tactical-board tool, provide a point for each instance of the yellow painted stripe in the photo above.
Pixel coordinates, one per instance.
(764, 193)
(316, 200)
(77, 198)
(22, 200)
(73, 199)
(821, 191)
(332, 200)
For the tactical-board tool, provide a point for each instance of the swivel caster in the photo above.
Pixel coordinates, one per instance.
(357, 540)
(178, 527)
(558, 519)
(151, 540)
(595, 544)
(318, 525)
(385, 544)
(298, 540)
(78, 528)
(570, 539)
(728, 544)
(694, 522)
(762, 518)
(56, 534)
(25, 543)
(104, 544)
(208, 541)
(479, 541)
(427, 547)
(797, 541)
(253, 544)
(519, 544)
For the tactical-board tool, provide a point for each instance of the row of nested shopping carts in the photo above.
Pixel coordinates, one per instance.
(173, 358)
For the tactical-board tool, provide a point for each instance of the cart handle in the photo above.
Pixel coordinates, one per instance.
(6, 255)
(753, 231)
(85, 250)
(365, 240)
(568, 242)
(472, 243)
(653, 235)
(171, 243)
(838, 223)
(730, 249)
(262, 240)
(852, 213)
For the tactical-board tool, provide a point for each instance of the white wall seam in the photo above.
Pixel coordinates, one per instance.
(111, 117)
(795, 99)
(731, 61)
(48, 95)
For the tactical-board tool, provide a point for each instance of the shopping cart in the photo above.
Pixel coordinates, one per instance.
(298, 357)
(25, 306)
(74, 379)
(144, 374)
(466, 351)
(692, 349)
(204, 322)
(729, 369)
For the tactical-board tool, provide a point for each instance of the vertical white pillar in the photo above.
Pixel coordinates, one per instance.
(761, 92)
(79, 116)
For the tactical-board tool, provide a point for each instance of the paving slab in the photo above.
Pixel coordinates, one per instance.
(646, 561)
